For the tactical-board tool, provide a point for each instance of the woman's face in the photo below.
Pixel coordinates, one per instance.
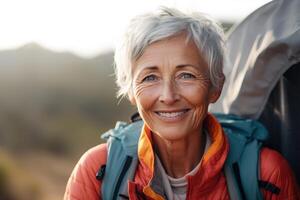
(172, 89)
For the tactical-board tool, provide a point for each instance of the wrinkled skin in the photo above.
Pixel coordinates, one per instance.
(172, 91)
(171, 76)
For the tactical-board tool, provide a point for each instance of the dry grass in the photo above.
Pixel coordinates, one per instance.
(15, 182)
(31, 176)
(50, 171)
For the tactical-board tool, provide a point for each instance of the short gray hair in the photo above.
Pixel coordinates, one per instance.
(148, 28)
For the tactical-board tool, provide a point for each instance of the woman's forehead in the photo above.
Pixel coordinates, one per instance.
(172, 51)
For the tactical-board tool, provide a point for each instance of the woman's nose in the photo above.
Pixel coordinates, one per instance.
(169, 93)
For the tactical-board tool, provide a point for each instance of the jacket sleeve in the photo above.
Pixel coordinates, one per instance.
(274, 169)
(82, 183)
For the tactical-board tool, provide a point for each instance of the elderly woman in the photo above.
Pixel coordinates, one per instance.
(170, 67)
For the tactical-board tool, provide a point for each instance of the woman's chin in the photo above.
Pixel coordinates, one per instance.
(171, 135)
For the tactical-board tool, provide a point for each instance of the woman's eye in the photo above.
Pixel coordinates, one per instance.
(187, 76)
(150, 78)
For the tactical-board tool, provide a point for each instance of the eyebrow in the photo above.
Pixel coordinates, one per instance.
(187, 65)
(178, 66)
(150, 68)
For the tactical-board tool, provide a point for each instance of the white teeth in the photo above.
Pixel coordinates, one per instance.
(170, 114)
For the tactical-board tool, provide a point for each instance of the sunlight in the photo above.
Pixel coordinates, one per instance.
(87, 27)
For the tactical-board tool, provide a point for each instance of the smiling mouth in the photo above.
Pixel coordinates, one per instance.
(172, 114)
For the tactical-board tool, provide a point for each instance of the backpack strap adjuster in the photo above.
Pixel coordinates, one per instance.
(100, 173)
(269, 187)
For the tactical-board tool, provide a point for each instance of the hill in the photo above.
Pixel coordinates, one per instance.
(56, 101)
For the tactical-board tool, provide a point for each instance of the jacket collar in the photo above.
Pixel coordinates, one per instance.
(209, 171)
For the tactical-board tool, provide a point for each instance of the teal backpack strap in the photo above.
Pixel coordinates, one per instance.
(242, 165)
(122, 142)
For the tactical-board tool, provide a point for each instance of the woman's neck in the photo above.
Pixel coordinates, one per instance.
(179, 157)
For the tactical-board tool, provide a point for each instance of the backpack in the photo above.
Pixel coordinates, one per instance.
(241, 168)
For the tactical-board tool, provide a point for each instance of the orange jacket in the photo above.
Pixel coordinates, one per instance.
(208, 183)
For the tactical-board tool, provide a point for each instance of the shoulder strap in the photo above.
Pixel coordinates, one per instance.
(121, 163)
(242, 165)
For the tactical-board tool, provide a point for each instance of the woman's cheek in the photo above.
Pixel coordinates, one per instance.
(199, 116)
(195, 94)
(145, 96)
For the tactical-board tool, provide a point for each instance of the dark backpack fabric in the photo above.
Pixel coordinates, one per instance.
(281, 117)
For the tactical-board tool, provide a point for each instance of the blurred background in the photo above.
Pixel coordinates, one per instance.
(57, 90)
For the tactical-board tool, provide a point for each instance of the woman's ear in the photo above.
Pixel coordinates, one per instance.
(215, 92)
(131, 98)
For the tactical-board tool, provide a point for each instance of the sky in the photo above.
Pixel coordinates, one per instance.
(89, 27)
